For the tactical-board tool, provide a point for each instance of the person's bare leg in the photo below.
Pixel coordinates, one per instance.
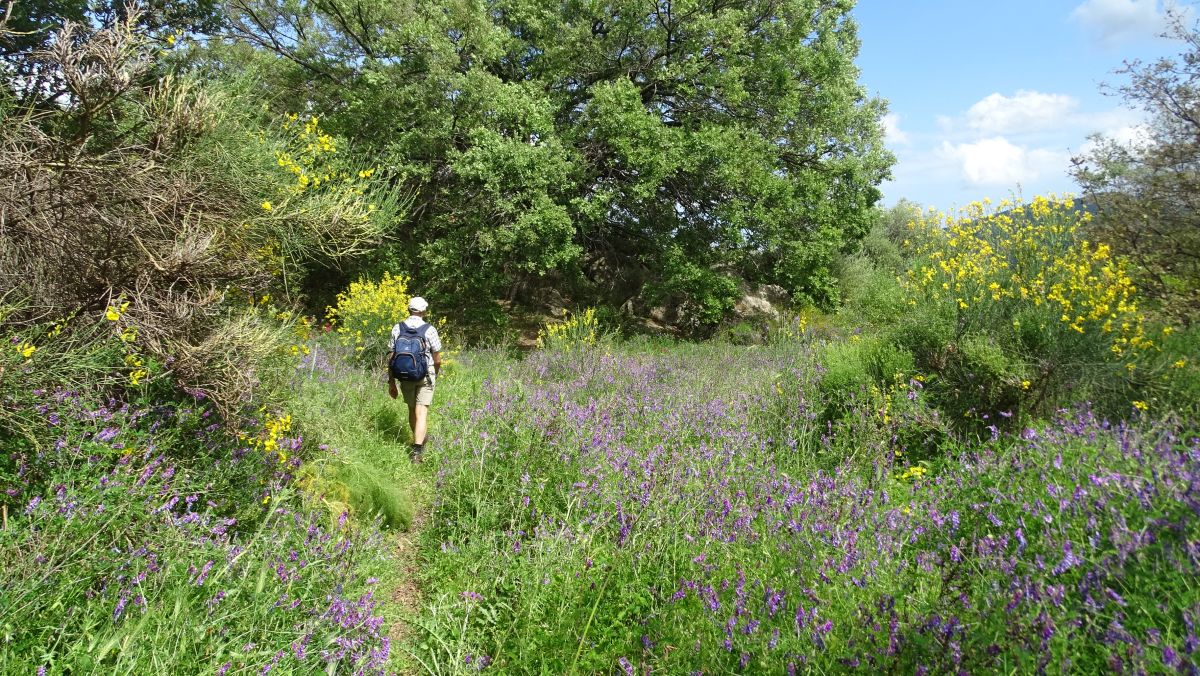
(420, 418)
(412, 422)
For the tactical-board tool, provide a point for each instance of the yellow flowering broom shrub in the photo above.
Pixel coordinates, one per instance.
(572, 330)
(317, 204)
(366, 312)
(1013, 308)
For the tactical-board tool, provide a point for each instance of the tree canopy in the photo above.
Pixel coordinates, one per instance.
(1148, 191)
(643, 152)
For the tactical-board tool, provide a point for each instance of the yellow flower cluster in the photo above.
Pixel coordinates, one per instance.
(270, 257)
(301, 330)
(274, 429)
(25, 349)
(984, 262)
(890, 401)
(790, 328)
(367, 311)
(914, 472)
(133, 361)
(308, 160)
(113, 313)
(128, 336)
(578, 329)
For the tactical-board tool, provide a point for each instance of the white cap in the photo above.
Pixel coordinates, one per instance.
(417, 304)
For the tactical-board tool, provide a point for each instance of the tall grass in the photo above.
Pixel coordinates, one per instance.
(148, 540)
(146, 533)
(348, 413)
(681, 510)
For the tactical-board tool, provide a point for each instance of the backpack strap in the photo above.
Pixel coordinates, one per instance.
(423, 334)
(404, 331)
(419, 331)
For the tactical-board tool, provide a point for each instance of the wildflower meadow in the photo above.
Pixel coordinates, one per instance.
(702, 407)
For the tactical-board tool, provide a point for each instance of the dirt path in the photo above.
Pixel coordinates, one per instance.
(407, 594)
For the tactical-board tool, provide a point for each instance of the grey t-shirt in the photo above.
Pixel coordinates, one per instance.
(433, 342)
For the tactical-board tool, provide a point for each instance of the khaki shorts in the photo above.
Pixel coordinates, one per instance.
(419, 392)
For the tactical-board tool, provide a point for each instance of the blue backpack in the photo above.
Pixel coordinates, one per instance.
(408, 354)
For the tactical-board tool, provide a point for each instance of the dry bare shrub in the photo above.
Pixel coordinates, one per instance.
(241, 356)
(5, 31)
(127, 185)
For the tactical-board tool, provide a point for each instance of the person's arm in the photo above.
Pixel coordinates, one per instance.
(392, 392)
(435, 349)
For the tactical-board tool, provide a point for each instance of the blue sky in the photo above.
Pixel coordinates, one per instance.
(985, 97)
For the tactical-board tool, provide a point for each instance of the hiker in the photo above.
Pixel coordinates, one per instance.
(415, 359)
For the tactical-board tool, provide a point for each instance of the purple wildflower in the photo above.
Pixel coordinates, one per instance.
(1069, 560)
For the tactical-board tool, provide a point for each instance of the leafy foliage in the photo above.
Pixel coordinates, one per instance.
(672, 147)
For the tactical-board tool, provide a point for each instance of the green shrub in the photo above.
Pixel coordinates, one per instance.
(980, 383)
(886, 361)
(745, 332)
(1170, 382)
(845, 376)
(874, 405)
(871, 294)
(860, 365)
(926, 331)
(704, 296)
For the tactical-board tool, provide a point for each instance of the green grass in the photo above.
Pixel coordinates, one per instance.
(578, 507)
(677, 508)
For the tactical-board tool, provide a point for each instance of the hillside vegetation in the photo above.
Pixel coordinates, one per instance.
(955, 443)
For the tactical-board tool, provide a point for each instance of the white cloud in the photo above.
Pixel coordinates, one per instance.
(1109, 121)
(1135, 135)
(1026, 111)
(1116, 21)
(997, 161)
(1032, 116)
(892, 131)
